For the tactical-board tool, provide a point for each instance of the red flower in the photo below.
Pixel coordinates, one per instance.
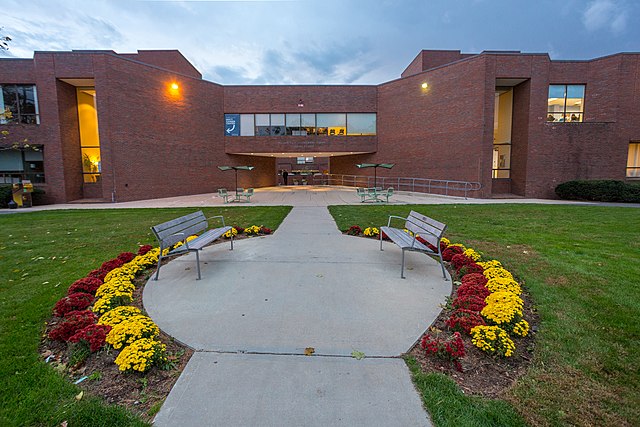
(88, 285)
(469, 302)
(460, 260)
(475, 289)
(265, 230)
(354, 230)
(111, 264)
(464, 320)
(472, 267)
(239, 229)
(144, 249)
(474, 278)
(98, 274)
(94, 335)
(126, 257)
(451, 349)
(448, 253)
(72, 323)
(76, 301)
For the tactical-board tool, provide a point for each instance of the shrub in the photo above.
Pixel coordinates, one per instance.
(492, 339)
(144, 249)
(126, 257)
(72, 323)
(451, 349)
(109, 302)
(459, 260)
(499, 284)
(118, 315)
(469, 269)
(599, 190)
(464, 320)
(254, 230)
(239, 229)
(88, 285)
(474, 279)
(450, 251)
(265, 230)
(93, 335)
(354, 230)
(491, 273)
(98, 274)
(472, 288)
(132, 329)
(141, 355)
(469, 302)
(111, 264)
(231, 233)
(502, 308)
(72, 302)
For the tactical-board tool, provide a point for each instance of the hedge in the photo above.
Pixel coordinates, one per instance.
(599, 191)
(6, 195)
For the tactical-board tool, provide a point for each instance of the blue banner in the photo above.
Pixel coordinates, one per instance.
(232, 124)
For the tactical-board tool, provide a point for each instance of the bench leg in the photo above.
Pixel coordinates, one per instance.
(159, 264)
(442, 265)
(231, 241)
(198, 264)
(402, 268)
(381, 240)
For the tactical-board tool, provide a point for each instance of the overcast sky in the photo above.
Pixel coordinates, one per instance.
(321, 41)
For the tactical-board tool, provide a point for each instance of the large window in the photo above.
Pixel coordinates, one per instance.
(19, 104)
(633, 160)
(89, 137)
(565, 103)
(19, 165)
(297, 124)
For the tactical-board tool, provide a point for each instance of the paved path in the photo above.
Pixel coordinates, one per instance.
(259, 306)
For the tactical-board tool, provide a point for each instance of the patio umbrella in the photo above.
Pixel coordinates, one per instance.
(235, 168)
(375, 167)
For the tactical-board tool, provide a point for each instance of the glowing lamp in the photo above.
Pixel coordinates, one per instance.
(174, 86)
(424, 85)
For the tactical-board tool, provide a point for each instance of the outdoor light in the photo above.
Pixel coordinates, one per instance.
(174, 86)
(424, 85)
(300, 103)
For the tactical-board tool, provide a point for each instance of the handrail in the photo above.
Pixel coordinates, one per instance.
(416, 185)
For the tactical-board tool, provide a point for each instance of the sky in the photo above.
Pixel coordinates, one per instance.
(320, 41)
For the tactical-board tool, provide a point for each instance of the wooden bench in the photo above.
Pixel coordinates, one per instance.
(420, 225)
(177, 230)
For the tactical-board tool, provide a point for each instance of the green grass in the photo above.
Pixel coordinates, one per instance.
(581, 264)
(41, 254)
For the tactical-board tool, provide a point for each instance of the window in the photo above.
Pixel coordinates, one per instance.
(361, 124)
(19, 104)
(565, 103)
(19, 165)
(332, 124)
(633, 160)
(89, 138)
(296, 124)
(502, 121)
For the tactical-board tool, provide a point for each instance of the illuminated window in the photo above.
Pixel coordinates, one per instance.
(297, 124)
(332, 124)
(633, 160)
(565, 103)
(19, 104)
(89, 138)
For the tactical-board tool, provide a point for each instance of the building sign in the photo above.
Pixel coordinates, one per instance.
(232, 124)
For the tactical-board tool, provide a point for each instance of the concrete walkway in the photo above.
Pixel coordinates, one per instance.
(259, 306)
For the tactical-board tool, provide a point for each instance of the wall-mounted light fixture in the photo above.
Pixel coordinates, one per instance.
(300, 103)
(424, 85)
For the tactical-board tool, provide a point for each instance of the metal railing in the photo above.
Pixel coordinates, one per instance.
(415, 185)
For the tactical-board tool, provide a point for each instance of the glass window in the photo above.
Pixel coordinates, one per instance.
(89, 136)
(633, 160)
(361, 124)
(565, 103)
(18, 104)
(308, 122)
(247, 125)
(24, 164)
(277, 124)
(300, 160)
(293, 124)
(332, 124)
(262, 125)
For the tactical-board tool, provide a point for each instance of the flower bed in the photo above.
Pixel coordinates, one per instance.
(486, 312)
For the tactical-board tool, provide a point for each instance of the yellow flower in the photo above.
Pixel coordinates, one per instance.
(140, 355)
(490, 273)
(498, 284)
(490, 264)
(371, 232)
(132, 329)
(492, 339)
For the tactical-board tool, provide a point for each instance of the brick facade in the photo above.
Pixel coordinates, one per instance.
(159, 143)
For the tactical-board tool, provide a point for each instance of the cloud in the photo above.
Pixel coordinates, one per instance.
(606, 15)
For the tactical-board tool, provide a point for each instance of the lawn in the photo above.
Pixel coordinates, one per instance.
(581, 264)
(41, 254)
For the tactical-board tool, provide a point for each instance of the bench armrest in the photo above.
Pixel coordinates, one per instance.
(218, 217)
(395, 216)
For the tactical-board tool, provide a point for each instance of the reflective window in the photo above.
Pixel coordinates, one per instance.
(332, 124)
(565, 103)
(18, 104)
(19, 165)
(633, 160)
(247, 125)
(361, 124)
(308, 123)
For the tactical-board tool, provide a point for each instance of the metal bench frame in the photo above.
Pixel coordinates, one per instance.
(177, 230)
(374, 194)
(427, 228)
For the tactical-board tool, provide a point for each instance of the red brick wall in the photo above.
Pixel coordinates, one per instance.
(167, 59)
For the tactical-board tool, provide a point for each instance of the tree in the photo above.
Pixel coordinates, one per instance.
(4, 41)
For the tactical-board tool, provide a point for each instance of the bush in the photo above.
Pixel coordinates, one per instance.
(6, 195)
(71, 324)
(72, 302)
(599, 191)
(88, 285)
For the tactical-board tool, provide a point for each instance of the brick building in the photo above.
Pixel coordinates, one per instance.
(121, 127)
